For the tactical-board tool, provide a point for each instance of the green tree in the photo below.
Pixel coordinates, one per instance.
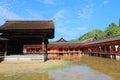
(112, 24)
(98, 33)
(112, 31)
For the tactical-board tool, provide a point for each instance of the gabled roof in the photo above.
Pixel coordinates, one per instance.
(61, 40)
(62, 43)
(27, 24)
(89, 39)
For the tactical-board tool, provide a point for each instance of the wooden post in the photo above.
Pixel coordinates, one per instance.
(46, 49)
(112, 49)
(119, 49)
(101, 49)
(5, 50)
(43, 45)
(43, 48)
(105, 49)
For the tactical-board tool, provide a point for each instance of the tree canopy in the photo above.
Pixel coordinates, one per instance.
(96, 32)
(111, 30)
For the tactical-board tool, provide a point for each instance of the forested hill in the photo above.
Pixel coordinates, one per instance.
(111, 30)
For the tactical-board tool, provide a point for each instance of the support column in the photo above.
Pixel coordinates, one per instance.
(105, 49)
(112, 49)
(43, 45)
(44, 48)
(5, 50)
(119, 48)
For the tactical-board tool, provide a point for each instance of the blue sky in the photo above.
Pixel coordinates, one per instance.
(72, 18)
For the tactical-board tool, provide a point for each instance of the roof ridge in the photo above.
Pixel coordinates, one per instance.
(27, 20)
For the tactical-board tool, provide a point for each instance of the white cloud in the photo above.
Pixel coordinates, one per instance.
(31, 14)
(105, 2)
(65, 31)
(86, 12)
(7, 14)
(7, 3)
(70, 31)
(81, 28)
(59, 14)
(49, 1)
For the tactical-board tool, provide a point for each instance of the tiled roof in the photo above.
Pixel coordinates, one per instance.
(108, 39)
(28, 24)
(62, 40)
(61, 44)
(56, 44)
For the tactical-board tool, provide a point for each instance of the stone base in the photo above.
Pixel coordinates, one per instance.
(24, 58)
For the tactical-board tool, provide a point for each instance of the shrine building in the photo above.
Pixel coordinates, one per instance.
(30, 37)
(14, 34)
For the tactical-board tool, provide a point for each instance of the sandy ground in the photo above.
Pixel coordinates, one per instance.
(20, 67)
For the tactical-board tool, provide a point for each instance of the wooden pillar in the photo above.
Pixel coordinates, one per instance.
(43, 45)
(100, 50)
(43, 49)
(119, 49)
(112, 49)
(105, 49)
(5, 50)
(46, 49)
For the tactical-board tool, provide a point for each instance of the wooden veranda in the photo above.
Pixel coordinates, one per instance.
(107, 47)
